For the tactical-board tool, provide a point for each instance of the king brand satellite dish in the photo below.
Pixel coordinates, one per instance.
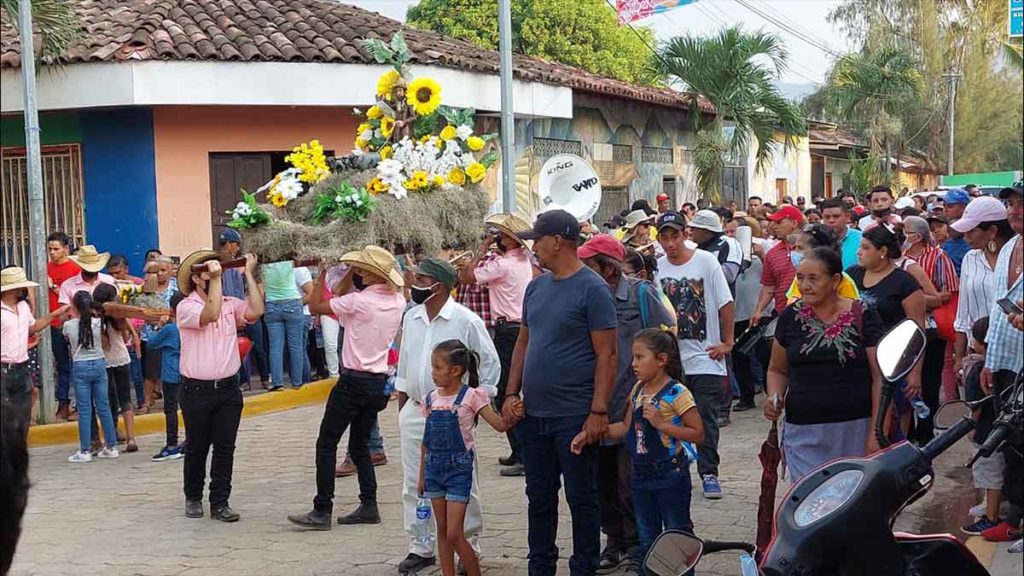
(568, 182)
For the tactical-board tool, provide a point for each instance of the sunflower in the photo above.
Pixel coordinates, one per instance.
(476, 172)
(385, 152)
(374, 112)
(387, 125)
(424, 95)
(375, 186)
(362, 128)
(421, 178)
(457, 176)
(475, 143)
(437, 180)
(360, 143)
(386, 82)
(448, 132)
(278, 200)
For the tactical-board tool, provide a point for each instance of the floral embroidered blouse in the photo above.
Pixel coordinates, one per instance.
(829, 374)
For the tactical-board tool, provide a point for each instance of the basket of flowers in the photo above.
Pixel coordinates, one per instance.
(132, 302)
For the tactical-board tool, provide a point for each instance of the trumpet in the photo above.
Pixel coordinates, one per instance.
(645, 250)
(457, 257)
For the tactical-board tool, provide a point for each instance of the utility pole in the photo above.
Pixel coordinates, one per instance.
(508, 125)
(36, 204)
(952, 77)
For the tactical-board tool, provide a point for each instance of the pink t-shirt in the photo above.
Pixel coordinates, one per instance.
(474, 401)
(75, 284)
(210, 352)
(506, 278)
(15, 326)
(371, 319)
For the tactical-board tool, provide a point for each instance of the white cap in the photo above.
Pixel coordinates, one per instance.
(978, 210)
(706, 220)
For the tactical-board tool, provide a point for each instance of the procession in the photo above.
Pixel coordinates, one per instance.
(470, 314)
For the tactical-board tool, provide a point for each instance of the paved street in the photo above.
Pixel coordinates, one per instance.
(125, 516)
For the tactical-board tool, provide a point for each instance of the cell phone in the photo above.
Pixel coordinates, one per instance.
(1008, 306)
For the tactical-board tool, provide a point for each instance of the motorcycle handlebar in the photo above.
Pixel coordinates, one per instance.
(711, 547)
(999, 432)
(943, 441)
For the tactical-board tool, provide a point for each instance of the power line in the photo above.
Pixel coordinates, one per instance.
(794, 25)
(799, 36)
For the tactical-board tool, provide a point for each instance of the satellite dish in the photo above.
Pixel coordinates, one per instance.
(568, 182)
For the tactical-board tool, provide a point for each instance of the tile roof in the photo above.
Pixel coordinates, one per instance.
(294, 31)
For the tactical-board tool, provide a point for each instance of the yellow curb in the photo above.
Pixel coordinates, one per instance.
(312, 393)
(982, 549)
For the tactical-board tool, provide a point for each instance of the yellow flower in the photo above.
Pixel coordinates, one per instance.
(475, 143)
(360, 143)
(385, 152)
(448, 132)
(437, 180)
(425, 137)
(424, 95)
(457, 176)
(362, 128)
(278, 200)
(310, 160)
(476, 172)
(375, 186)
(373, 113)
(387, 125)
(386, 82)
(421, 177)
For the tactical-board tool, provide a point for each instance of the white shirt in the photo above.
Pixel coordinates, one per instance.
(302, 277)
(420, 335)
(977, 291)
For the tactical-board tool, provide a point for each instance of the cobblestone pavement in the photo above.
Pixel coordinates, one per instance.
(125, 516)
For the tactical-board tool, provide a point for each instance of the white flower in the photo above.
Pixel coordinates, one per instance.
(337, 198)
(463, 132)
(359, 203)
(366, 135)
(358, 152)
(357, 111)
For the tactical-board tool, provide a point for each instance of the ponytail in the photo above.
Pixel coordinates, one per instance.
(86, 309)
(662, 342)
(459, 355)
(102, 294)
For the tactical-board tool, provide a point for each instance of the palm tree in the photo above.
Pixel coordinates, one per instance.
(737, 72)
(56, 22)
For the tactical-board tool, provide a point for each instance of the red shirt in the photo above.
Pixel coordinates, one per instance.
(778, 273)
(58, 273)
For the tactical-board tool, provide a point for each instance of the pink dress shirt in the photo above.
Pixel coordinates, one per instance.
(210, 352)
(371, 319)
(507, 277)
(15, 326)
(75, 284)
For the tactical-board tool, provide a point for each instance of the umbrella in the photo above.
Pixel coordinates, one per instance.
(770, 456)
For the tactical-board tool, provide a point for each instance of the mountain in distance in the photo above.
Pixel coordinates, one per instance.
(796, 92)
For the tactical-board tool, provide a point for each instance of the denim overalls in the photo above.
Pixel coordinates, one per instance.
(661, 480)
(449, 465)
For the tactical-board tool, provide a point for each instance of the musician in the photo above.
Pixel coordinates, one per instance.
(639, 233)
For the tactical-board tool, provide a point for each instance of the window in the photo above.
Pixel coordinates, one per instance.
(622, 153)
(613, 201)
(656, 155)
(62, 194)
(668, 186)
(548, 147)
(734, 185)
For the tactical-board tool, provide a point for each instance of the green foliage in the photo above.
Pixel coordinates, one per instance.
(247, 214)
(710, 151)
(429, 124)
(457, 116)
(582, 33)
(344, 201)
(863, 175)
(57, 25)
(396, 53)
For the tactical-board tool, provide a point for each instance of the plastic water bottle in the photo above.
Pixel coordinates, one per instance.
(748, 566)
(921, 410)
(422, 526)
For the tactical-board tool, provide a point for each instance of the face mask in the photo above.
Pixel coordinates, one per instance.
(357, 282)
(421, 295)
(796, 257)
(880, 213)
(907, 244)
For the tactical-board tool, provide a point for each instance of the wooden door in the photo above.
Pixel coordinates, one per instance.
(817, 176)
(780, 188)
(828, 184)
(229, 173)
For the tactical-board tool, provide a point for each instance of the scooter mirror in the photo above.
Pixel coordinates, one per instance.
(950, 413)
(900, 349)
(674, 553)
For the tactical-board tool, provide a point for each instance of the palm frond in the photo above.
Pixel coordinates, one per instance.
(57, 23)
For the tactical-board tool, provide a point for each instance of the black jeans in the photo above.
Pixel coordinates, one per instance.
(505, 337)
(62, 361)
(741, 367)
(171, 390)
(707, 392)
(931, 383)
(16, 393)
(354, 401)
(615, 494)
(211, 415)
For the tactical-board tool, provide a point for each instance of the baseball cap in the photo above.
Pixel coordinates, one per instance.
(983, 209)
(438, 269)
(903, 203)
(1017, 188)
(787, 211)
(936, 218)
(229, 235)
(706, 220)
(956, 196)
(553, 223)
(662, 197)
(671, 219)
(602, 244)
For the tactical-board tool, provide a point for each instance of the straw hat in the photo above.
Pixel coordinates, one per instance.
(13, 278)
(510, 225)
(185, 269)
(634, 219)
(89, 259)
(378, 261)
(754, 225)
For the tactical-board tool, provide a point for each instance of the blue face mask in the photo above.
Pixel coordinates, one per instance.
(796, 257)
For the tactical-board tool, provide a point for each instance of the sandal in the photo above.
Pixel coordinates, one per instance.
(131, 447)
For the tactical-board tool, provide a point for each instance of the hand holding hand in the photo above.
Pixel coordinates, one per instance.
(512, 410)
(578, 443)
(596, 426)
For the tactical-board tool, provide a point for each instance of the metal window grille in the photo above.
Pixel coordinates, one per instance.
(656, 155)
(622, 153)
(734, 185)
(548, 147)
(613, 201)
(62, 193)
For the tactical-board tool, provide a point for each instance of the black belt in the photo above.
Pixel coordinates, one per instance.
(8, 366)
(502, 322)
(214, 384)
(361, 374)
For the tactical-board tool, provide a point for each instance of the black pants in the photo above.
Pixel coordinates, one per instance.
(171, 390)
(614, 492)
(354, 401)
(211, 415)
(16, 394)
(931, 383)
(741, 367)
(505, 337)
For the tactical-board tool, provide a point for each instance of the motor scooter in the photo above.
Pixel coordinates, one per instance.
(838, 519)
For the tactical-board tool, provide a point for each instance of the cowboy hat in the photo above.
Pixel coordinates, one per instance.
(376, 260)
(634, 219)
(185, 269)
(90, 260)
(13, 278)
(510, 225)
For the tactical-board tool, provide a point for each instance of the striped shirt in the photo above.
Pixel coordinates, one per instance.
(977, 287)
(1005, 343)
(778, 273)
(939, 268)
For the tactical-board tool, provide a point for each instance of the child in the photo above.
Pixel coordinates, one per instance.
(660, 419)
(119, 375)
(89, 376)
(446, 461)
(167, 340)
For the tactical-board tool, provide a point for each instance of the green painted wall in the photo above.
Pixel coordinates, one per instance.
(982, 179)
(56, 128)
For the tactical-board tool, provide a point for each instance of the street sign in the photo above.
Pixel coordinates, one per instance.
(1016, 18)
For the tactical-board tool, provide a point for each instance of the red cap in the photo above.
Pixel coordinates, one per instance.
(602, 244)
(859, 210)
(787, 211)
(662, 197)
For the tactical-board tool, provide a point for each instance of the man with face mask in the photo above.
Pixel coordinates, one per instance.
(880, 202)
(437, 317)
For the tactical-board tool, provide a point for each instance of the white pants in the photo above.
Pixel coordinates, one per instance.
(331, 328)
(411, 423)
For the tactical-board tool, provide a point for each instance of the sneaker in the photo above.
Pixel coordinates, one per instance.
(108, 453)
(724, 421)
(1002, 532)
(743, 406)
(611, 559)
(413, 563)
(978, 527)
(79, 457)
(516, 469)
(978, 510)
(712, 489)
(1017, 548)
(168, 453)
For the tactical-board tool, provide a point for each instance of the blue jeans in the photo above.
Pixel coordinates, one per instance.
(661, 500)
(62, 359)
(90, 380)
(137, 378)
(258, 353)
(307, 325)
(544, 448)
(285, 325)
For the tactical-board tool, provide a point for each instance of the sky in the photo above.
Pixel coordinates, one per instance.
(805, 19)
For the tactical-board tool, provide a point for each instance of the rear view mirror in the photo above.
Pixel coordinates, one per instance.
(674, 553)
(900, 350)
(950, 413)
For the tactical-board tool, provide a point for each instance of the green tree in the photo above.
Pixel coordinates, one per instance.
(55, 21)
(737, 72)
(581, 33)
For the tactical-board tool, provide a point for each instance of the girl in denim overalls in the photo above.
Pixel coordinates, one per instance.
(446, 461)
(662, 424)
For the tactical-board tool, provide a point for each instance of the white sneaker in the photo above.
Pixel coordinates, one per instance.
(979, 510)
(108, 453)
(79, 457)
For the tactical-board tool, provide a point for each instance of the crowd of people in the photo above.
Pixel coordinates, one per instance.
(612, 360)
